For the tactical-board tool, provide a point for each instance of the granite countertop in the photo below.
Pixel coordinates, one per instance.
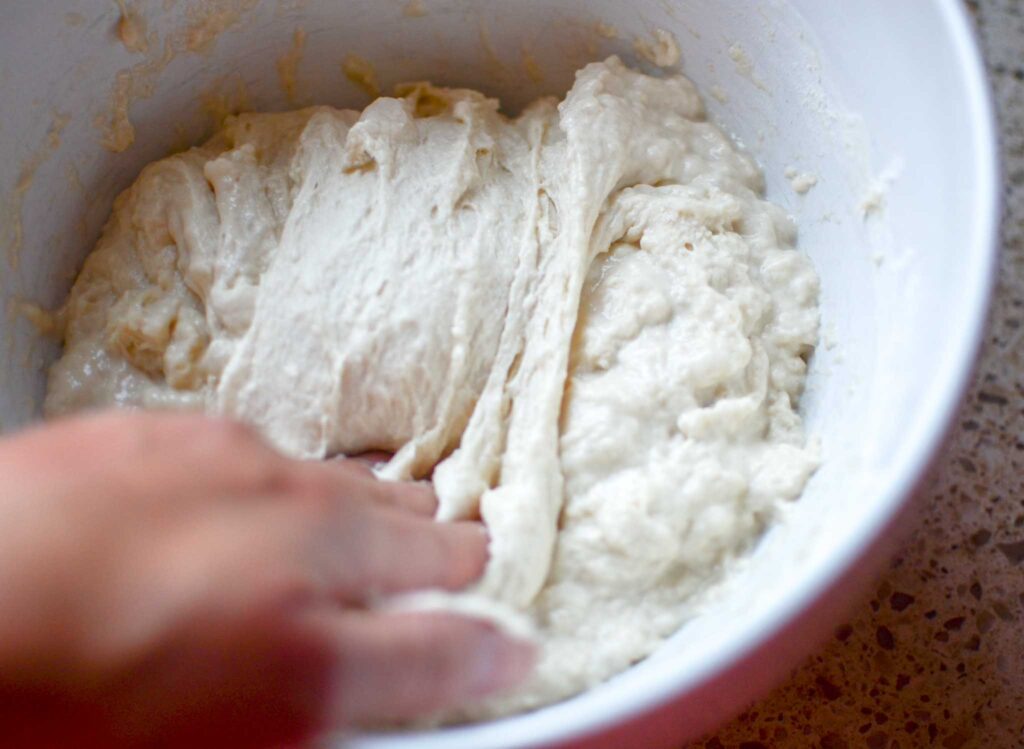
(935, 656)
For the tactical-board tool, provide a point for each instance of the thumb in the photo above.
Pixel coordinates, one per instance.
(393, 666)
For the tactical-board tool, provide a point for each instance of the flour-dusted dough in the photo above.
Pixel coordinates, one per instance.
(586, 322)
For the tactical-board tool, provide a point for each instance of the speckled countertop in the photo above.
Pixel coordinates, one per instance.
(935, 656)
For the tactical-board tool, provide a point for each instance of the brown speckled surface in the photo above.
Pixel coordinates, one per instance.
(935, 657)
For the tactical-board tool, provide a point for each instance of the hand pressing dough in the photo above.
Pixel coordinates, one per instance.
(585, 323)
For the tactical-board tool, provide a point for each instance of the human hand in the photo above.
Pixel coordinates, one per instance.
(172, 580)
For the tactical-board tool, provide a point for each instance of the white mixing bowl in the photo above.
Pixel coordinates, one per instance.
(885, 103)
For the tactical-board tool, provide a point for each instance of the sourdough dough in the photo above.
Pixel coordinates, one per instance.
(585, 322)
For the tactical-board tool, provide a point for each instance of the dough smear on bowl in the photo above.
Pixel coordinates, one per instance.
(585, 322)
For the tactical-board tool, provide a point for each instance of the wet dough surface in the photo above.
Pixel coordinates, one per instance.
(585, 323)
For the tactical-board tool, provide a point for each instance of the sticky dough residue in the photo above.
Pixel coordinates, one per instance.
(13, 232)
(131, 28)
(531, 67)
(361, 74)
(206, 21)
(226, 98)
(661, 50)
(47, 323)
(801, 182)
(744, 65)
(877, 193)
(118, 131)
(288, 66)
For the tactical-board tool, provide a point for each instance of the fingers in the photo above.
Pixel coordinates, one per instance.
(379, 550)
(199, 457)
(400, 666)
(370, 537)
(416, 497)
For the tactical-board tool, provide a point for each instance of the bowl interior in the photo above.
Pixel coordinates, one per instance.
(881, 102)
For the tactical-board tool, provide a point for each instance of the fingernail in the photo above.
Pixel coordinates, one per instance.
(500, 662)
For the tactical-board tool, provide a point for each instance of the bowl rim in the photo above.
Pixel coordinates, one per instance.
(855, 557)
